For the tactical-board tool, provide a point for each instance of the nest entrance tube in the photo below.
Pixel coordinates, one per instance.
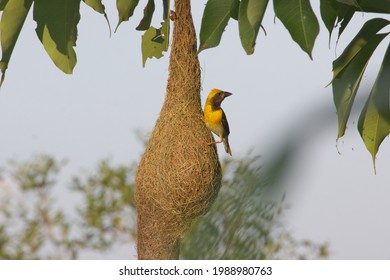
(179, 176)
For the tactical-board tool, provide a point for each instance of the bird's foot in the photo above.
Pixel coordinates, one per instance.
(213, 143)
(200, 116)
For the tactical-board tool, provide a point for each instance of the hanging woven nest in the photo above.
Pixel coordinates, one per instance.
(179, 175)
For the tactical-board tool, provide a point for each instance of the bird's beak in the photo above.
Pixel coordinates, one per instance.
(226, 94)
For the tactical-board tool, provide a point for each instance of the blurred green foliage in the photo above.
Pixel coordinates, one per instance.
(32, 226)
(244, 222)
(107, 212)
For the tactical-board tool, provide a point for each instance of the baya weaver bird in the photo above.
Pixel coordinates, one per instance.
(215, 118)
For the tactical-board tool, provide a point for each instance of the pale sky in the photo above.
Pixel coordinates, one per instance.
(278, 94)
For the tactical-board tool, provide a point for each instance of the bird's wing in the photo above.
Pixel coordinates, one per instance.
(225, 123)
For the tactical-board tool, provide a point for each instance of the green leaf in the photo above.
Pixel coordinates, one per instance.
(57, 29)
(301, 22)
(368, 31)
(344, 16)
(166, 25)
(12, 20)
(346, 11)
(2, 4)
(349, 67)
(347, 82)
(166, 5)
(125, 10)
(98, 7)
(328, 14)
(154, 42)
(235, 9)
(375, 6)
(165, 32)
(349, 2)
(148, 14)
(249, 20)
(374, 121)
(334, 13)
(215, 18)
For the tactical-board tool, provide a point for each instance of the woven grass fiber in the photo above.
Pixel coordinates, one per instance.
(179, 176)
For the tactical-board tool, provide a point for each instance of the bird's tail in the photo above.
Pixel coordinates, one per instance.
(227, 146)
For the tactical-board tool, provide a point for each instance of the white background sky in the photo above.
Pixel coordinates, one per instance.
(278, 94)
